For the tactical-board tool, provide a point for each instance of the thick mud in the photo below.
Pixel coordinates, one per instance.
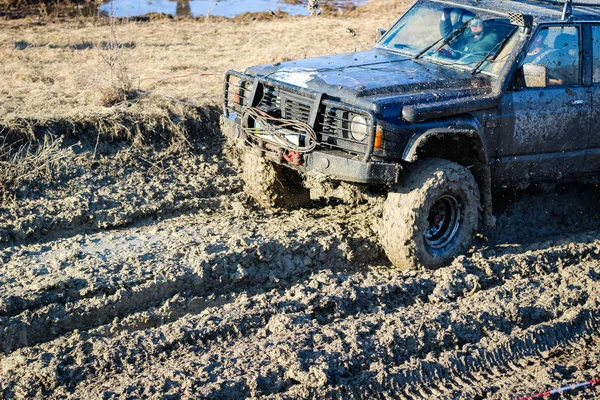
(132, 275)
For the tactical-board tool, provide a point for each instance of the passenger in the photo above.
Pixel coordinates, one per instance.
(538, 49)
(460, 17)
(561, 61)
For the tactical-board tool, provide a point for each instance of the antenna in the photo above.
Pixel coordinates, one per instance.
(567, 10)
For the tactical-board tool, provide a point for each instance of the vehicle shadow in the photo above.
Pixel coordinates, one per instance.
(528, 216)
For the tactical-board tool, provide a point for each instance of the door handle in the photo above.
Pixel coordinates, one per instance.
(576, 102)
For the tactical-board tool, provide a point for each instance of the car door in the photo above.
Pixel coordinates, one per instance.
(544, 129)
(592, 159)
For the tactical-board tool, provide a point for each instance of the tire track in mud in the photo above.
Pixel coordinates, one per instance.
(241, 319)
(461, 375)
(37, 318)
(271, 251)
(424, 348)
(578, 362)
(432, 310)
(547, 264)
(305, 286)
(117, 191)
(301, 369)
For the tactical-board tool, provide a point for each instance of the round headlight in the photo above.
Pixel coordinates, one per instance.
(358, 128)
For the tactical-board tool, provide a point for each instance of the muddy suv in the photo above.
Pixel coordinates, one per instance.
(456, 100)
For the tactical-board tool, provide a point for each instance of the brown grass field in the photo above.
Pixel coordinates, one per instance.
(99, 69)
(142, 81)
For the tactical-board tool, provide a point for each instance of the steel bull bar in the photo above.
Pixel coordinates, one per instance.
(334, 163)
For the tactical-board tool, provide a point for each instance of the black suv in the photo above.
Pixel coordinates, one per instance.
(456, 100)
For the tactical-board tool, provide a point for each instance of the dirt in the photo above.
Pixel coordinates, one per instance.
(137, 271)
(128, 277)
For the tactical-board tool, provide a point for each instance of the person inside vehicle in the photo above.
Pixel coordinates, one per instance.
(453, 18)
(540, 53)
(560, 60)
(538, 49)
(477, 39)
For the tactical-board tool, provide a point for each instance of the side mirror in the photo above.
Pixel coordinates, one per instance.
(535, 75)
(380, 33)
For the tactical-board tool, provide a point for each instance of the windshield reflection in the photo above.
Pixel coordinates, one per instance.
(450, 35)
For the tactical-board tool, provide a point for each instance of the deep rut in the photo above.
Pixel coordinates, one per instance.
(226, 300)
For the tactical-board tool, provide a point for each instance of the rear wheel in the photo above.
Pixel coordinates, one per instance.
(431, 217)
(272, 185)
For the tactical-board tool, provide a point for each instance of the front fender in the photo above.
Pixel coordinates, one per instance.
(473, 130)
(469, 127)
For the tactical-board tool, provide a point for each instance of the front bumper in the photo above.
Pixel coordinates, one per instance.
(336, 164)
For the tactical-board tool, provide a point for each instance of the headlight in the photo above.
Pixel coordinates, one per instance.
(240, 92)
(358, 128)
(238, 95)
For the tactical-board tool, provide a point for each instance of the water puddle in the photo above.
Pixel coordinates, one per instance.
(223, 8)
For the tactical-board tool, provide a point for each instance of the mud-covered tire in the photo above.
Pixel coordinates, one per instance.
(411, 232)
(271, 185)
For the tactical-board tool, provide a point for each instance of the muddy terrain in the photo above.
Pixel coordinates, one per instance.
(161, 278)
(143, 270)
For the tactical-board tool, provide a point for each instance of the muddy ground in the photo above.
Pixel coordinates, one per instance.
(135, 272)
(161, 278)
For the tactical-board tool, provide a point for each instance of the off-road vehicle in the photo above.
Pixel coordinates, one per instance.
(457, 99)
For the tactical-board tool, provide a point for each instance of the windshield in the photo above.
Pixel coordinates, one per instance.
(451, 35)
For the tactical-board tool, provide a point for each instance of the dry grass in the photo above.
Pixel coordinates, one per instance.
(145, 80)
(30, 162)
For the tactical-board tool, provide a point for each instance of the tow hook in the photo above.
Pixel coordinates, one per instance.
(293, 157)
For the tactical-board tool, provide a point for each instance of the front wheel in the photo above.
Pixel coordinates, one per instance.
(271, 185)
(432, 216)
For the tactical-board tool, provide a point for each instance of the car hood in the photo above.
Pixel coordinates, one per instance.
(375, 75)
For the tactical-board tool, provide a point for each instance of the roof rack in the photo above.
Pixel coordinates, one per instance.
(567, 5)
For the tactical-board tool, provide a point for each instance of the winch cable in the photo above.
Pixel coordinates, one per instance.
(592, 382)
(279, 129)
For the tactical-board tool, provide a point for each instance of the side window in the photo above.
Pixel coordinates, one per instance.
(558, 49)
(596, 53)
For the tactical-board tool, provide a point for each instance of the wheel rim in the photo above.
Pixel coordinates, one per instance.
(444, 221)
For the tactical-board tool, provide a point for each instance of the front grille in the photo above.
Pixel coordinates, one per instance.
(295, 110)
(333, 120)
(332, 125)
(290, 105)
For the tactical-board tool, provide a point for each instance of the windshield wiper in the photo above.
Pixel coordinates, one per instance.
(496, 48)
(447, 39)
(426, 49)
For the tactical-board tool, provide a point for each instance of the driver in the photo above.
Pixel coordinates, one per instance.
(477, 39)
